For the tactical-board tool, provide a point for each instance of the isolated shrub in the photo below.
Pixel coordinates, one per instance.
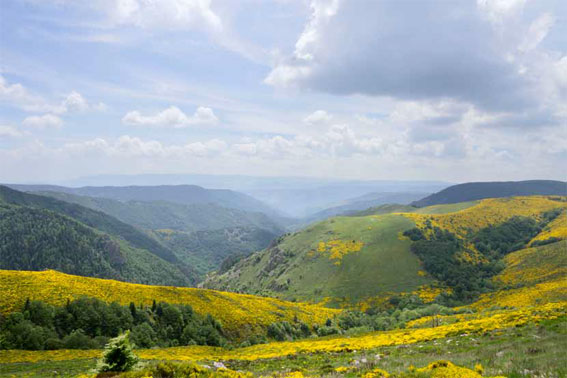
(118, 355)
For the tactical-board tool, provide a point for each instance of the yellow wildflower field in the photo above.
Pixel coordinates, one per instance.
(487, 212)
(556, 229)
(534, 265)
(240, 314)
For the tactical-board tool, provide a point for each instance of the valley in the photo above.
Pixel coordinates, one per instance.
(395, 281)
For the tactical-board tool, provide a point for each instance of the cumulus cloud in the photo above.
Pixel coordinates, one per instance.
(19, 96)
(74, 102)
(172, 117)
(318, 116)
(423, 50)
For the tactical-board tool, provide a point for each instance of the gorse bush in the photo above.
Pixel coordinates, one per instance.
(88, 323)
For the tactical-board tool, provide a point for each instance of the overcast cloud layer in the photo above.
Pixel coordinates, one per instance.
(451, 90)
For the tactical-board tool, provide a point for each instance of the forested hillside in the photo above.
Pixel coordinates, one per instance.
(473, 191)
(44, 233)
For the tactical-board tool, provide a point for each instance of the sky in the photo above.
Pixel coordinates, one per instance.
(460, 90)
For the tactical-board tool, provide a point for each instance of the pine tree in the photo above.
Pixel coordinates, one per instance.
(118, 355)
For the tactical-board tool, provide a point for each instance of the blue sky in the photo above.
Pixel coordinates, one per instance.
(447, 90)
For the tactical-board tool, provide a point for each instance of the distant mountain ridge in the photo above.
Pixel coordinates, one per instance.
(199, 235)
(183, 194)
(153, 215)
(365, 202)
(480, 190)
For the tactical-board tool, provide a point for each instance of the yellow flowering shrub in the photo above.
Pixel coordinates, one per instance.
(535, 265)
(427, 293)
(240, 314)
(546, 292)
(376, 373)
(555, 229)
(487, 212)
(336, 249)
(446, 369)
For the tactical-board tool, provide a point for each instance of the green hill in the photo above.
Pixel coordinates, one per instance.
(356, 259)
(473, 191)
(297, 268)
(45, 233)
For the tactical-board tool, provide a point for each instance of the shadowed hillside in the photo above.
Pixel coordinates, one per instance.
(479, 190)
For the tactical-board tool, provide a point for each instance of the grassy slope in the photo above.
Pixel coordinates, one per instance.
(384, 264)
(240, 314)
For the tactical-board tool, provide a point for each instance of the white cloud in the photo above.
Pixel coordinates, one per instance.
(172, 117)
(318, 116)
(74, 102)
(9, 132)
(19, 96)
(164, 14)
(45, 121)
(537, 31)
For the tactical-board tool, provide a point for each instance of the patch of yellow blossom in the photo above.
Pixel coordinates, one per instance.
(530, 266)
(294, 374)
(486, 213)
(491, 321)
(240, 314)
(427, 293)
(555, 229)
(447, 369)
(336, 249)
(373, 302)
(546, 292)
(376, 373)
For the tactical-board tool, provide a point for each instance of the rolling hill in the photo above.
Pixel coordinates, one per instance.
(353, 259)
(179, 194)
(41, 233)
(480, 190)
(154, 215)
(241, 315)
